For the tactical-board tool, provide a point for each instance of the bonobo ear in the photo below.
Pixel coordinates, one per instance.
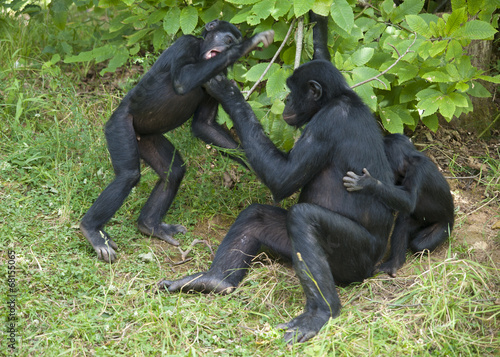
(315, 89)
(212, 25)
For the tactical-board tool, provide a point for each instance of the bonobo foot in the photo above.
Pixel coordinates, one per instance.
(305, 326)
(390, 267)
(163, 231)
(103, 245)
(200, 282)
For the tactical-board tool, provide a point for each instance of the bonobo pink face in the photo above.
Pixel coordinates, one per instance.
(217, 42)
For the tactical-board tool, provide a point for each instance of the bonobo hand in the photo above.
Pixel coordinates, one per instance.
(265, 37)
(221, 88)
(353, 182)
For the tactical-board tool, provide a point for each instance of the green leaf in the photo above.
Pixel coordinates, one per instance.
(391, 120)
(492, 79)
(408, 7)
(277, 107)
(432, 122)
(263, 9)
(475, 30)
(478, 90)
(436, 76)
(256, 71)
(156, 16)
(281, 7)
(462, 87)
(410, 90)
(361, 74)
(243, 2)
(368, 95)
(460, 100)
(171, 21)
(446, 107)
(454, 50)
(454, 21)
(475, 6)
(361, 56)
(300, 7)
(159, 38)
(132, 39)
(322, 7)
(188, 19)
(339, 60)
(276, 84)
(342, 15)
(437, 48)
(418, 24)
(242, 15)
(59, 12)
(404, 71)
(212, 13)
(119, 59)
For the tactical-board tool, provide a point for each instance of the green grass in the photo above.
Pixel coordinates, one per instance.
(54, 163)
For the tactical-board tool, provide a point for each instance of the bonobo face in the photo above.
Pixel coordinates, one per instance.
(218, 37)
(302, 102)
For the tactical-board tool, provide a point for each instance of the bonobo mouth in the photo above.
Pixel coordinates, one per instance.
(211, 54)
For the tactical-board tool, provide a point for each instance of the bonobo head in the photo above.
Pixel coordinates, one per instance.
(219, 36)
(397, 149)
(312, 85)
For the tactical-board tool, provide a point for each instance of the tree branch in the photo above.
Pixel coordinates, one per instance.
(299, 41)
(390, 67)
(272, 61)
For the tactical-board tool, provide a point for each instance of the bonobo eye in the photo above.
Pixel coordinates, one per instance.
(228, 40)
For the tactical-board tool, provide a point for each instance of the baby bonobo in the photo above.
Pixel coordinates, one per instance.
(420, 194)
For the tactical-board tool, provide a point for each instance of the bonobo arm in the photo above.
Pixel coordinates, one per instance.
(283, 173)
(400, 198)
(320, 36)
(188, 76)
(206, 128)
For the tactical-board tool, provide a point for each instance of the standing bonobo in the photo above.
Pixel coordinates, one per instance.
(421, 195)
(331, 235)
(166, 97)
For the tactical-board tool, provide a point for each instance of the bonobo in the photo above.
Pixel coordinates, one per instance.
(421, 195)
(331, 235)
(166, 97)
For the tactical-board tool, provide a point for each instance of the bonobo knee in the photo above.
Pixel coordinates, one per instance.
(299, 212)
(129, 178)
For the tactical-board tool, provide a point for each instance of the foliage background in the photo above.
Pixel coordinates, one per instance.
(433, 79)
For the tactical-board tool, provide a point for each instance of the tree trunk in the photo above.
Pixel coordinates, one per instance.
(484, 108)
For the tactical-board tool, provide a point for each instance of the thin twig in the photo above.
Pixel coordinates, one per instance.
(392, 65)
(272, 61)
(298, 42)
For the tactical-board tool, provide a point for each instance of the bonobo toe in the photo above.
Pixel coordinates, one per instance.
(163, 231)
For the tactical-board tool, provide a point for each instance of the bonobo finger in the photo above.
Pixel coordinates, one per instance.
(267, 37)
(365, 171)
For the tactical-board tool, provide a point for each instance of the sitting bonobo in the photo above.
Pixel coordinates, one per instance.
(421, 195)
(330, 235)
(166, 97)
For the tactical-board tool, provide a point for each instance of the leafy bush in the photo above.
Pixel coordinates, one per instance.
(418, 58)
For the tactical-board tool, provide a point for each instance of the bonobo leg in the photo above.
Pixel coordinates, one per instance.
(122, 147)
(162, 156)
(206, 128)
(257, 226)
(399, 245)
(326, 247)
(430, 237)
